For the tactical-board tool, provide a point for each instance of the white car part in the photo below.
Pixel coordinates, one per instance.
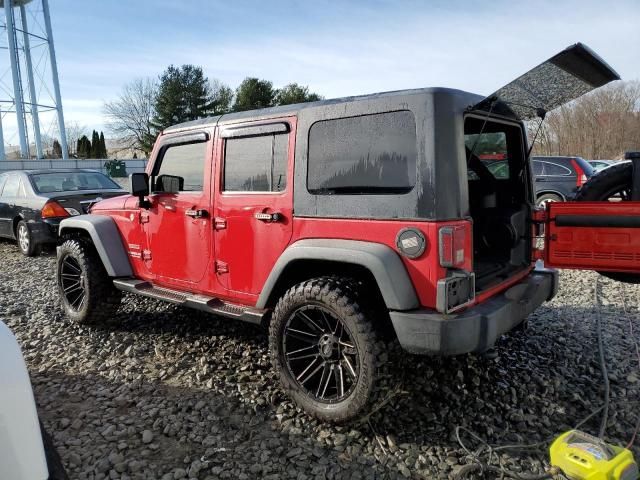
(22, 454)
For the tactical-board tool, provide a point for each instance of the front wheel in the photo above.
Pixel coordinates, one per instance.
(330, 359)
(86, 290)
(613, 184)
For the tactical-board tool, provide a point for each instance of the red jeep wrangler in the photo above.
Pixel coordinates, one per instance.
(346, 226)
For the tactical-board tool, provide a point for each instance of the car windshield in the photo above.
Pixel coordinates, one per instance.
(71, 181)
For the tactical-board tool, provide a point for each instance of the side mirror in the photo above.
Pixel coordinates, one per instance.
(139, 186)
(169, 184)
(632, 155)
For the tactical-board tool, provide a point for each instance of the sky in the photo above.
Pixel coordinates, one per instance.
(336, 48)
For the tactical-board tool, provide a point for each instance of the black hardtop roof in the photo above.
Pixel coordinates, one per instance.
(294, 108)
(52, 170)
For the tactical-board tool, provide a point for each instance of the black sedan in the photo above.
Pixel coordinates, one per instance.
(33, 202)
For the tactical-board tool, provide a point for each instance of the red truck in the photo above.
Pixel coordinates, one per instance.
(353, 229)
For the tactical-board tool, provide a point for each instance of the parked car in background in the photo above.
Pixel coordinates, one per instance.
(598, 165)
(33, 202)
(557, 179)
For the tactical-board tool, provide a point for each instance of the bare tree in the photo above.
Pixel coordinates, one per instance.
(601, 125)
(130, 115)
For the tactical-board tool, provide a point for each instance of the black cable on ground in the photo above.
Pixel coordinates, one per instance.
(603, 363)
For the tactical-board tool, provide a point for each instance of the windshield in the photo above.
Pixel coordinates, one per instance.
(71, 181)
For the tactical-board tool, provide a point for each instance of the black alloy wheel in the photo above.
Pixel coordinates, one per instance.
(320, 354)
(330, 352)
(86, 291)
(73, 283)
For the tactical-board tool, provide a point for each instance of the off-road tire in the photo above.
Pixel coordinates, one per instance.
(376, 355)
(600, 187)
(102, 299)
(26, 244)
(548, 197)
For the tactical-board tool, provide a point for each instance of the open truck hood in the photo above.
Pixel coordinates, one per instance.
(564, 77)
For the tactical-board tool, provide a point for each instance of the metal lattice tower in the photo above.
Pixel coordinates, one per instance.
(30, 102)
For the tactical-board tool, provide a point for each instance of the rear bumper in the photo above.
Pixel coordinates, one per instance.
(477, 328)
(45, 231)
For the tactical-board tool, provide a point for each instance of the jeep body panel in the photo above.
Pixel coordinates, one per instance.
(383, 263)
(106, 239)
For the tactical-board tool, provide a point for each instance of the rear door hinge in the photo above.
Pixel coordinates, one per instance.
(146, 254)
(144, 217)
(222, 267)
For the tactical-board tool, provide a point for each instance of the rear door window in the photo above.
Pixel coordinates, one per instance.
(256, 164)
(363, 155)
(555, 170)
(538, 168)
(12, 186)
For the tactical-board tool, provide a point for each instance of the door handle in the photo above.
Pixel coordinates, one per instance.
(195, 213)
(268, 217)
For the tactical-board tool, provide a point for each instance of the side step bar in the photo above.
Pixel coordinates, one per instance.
(198, 302)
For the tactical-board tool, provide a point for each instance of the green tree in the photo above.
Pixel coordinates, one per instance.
(83, 148)
(94, 151)
(103, 146)
(57, 149)
(184, 94)
(294, 93)
(254, 93)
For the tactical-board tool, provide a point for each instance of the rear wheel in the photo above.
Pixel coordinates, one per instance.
(613, 184)
(548, 198)
(330, 359)
(86, 290)
(25, 240)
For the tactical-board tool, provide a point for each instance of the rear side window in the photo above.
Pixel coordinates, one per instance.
(359, 155)
(256, 164)
(3, 179)
(12, 186)
(555, 170)
(186, 162)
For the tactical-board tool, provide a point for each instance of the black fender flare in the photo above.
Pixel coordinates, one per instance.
(106, 240)
(381, 260)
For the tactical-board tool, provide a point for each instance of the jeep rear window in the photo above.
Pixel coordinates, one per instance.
(370, 154)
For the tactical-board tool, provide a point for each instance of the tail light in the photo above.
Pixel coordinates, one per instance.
(581, 177)
(451, 245)
(53, 209)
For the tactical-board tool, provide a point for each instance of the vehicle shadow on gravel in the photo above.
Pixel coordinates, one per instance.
(147, 430)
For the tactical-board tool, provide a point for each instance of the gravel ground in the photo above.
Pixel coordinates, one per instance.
(166, 393)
